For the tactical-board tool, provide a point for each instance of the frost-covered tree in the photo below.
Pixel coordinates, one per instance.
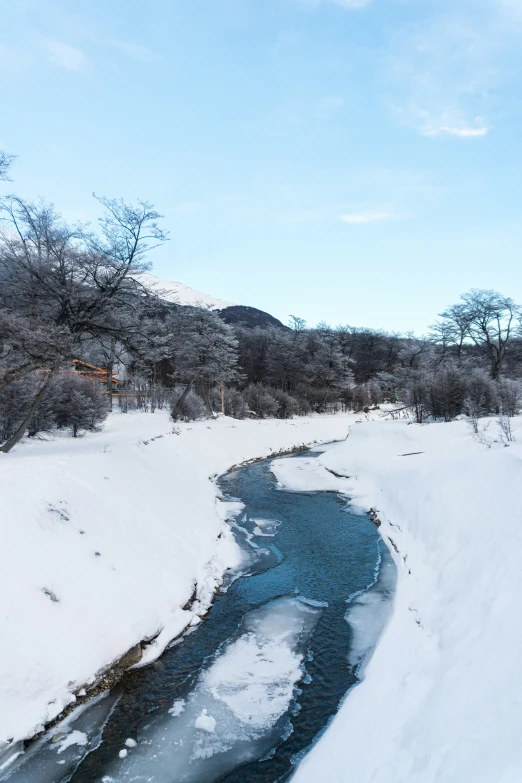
(202, 351)
(5, 164)
(286, 359)
(328, 370)
(61, 284)
(487, 320)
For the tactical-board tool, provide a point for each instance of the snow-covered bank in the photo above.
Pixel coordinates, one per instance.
(103, 540)
(441, 701)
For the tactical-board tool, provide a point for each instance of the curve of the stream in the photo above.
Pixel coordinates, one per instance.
(245, 696)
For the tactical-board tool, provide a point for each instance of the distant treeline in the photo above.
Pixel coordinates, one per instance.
(71, 292)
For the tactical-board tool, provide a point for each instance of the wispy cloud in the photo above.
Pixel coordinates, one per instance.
(452, 124)
(353, 5)
(463, 132)
(350, 5)
(447, 68)
(63, 55)
(358, 218)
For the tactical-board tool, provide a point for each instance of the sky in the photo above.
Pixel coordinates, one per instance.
(349, 161)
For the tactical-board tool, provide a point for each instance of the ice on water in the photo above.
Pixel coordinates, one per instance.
(239, 707)
(254, 559)
(265, 527)
(368, 614)
(52, 761)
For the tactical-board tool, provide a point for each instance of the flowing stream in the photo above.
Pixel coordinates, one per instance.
(244, 696)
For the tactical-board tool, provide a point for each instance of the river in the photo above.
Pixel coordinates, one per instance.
(243, 696)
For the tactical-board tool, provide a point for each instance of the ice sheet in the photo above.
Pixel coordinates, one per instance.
(55, 756)
(239, 706)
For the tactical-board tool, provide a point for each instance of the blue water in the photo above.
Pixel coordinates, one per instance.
(320, 552)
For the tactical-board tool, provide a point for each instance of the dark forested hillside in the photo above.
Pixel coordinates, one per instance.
(249, 317)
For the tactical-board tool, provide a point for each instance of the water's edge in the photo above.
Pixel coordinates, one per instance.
(299, 571)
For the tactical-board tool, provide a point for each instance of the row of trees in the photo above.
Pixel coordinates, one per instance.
(74, 291)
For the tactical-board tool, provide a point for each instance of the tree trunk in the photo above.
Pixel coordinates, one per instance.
(110, 367)
(177, 408)
(207, 399)
(20, 432)
(496, 365)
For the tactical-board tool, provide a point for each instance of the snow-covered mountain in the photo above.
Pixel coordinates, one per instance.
(182, 294)
(232, 314)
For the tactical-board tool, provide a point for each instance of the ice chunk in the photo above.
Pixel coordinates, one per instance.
(369, 612)
(123, 753)
(265, 527)
(254, 559)
(83, 734)
(74, 738)
(205, 722)
(177, 708)
(238, 708)
(130, 743)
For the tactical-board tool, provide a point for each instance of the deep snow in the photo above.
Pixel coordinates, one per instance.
(441, 699)
(104, 537)
(103, 540)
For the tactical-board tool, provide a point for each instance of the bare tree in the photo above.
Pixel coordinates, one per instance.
(489, 321)
(61, 284)
(5, 164)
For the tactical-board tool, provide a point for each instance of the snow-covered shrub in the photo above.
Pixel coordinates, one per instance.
(235, 404)
(481, 392)
(261, 401)
(288, 405)
(447, 390)
(390, 387)
(375, 393)
(191, 408)
(159, 397)
(71, 401)
(79, 403)
(126, 402)
(361, 397)
(510, 397)
(418, 397)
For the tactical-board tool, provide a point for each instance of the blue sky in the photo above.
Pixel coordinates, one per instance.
(354, 161)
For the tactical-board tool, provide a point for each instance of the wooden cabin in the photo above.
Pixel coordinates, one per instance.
(95, 373)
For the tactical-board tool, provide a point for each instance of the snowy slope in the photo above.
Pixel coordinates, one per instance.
(103, 539)
(182, 294)
(441, 701)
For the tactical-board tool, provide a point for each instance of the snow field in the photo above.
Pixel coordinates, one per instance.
(441, 699)
(104, 539)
